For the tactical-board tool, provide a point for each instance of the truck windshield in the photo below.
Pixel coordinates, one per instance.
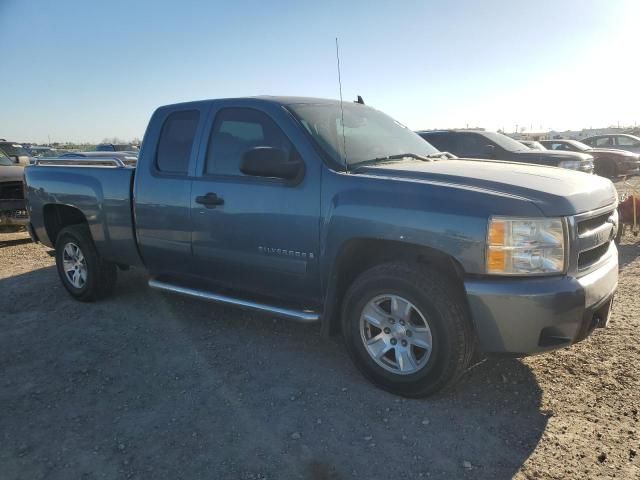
(368, 133)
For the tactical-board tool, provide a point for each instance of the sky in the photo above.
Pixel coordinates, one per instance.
(82, 71)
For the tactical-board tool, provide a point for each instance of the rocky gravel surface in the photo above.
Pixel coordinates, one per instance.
(145, 385)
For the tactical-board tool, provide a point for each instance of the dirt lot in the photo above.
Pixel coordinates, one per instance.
(151, 386)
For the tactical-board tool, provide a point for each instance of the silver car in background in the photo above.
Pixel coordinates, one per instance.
(619, 141)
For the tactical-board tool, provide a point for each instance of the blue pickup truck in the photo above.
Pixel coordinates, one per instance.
(320, 212)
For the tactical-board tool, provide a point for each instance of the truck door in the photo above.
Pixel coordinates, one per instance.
(162, 193)
(252, 233)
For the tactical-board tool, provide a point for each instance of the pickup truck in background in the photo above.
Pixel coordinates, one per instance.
(13, 214)
(16, 152)
(317, 212)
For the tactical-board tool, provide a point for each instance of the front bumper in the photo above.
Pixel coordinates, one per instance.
(525, 316)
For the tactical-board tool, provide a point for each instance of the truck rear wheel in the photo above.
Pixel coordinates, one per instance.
(84, 274)
(406, 329)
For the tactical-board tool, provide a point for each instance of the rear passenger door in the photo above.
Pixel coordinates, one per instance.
(162, 202)
(262, 236)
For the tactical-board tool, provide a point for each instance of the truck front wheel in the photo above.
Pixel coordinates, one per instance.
(84, 274)
(406, 329)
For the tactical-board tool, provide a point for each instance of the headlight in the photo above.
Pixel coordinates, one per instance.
(522, 246)
(570, 164)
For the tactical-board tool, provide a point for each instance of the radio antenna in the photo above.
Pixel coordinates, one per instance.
(344, 140)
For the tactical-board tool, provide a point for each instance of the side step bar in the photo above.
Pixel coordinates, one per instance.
(304, 316)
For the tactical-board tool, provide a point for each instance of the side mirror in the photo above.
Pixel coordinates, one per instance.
(270, 162)
(489, 151)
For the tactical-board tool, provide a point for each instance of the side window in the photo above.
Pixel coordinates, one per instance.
(470, 144)
(236, 131)
(603, 142)
(176, 141)
(627, 142)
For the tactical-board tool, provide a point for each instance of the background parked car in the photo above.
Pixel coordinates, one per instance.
(16, 152)
(608, 162)
(42, 152)
(113, 147)
(532, 144)
(496, 146)
(621, 141)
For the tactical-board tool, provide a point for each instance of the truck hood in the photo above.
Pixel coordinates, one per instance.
(11, 173)
(555, 191)
(537, 155)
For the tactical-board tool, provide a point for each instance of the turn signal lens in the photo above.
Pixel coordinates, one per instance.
(495, 260)
(496, 232)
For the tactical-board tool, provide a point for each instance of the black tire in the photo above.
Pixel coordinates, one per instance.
(445, 310)
(100, 275)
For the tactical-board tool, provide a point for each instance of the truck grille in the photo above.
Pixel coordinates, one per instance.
(594, 236)
(592, 223)
(593, 256)
(11, 191)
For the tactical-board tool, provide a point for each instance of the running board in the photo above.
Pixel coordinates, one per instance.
(305, 316)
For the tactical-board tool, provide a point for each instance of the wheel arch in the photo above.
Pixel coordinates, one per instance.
(58, 216)
(358, 255)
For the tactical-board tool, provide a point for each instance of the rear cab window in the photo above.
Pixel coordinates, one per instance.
(176, 142)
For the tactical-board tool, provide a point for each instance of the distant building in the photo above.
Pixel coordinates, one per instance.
(585, 132)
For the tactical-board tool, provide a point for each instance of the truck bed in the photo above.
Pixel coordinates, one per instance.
(101, 192)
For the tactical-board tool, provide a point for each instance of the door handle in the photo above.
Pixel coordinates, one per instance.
(210, 200)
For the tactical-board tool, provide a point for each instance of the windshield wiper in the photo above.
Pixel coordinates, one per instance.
(441, 155)
(390, 158)
(406, 155)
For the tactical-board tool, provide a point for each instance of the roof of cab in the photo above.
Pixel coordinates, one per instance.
(279, 100)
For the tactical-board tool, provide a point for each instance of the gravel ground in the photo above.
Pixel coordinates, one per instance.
(146, 385)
